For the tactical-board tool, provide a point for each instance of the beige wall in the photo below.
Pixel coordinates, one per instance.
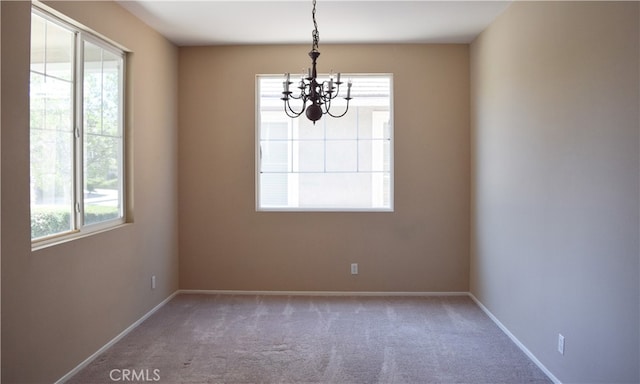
(226, 244)
(62, 303)
(555, 138)
(554, 162)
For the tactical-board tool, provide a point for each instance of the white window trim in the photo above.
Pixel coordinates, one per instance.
(258, 208)
(83, 34)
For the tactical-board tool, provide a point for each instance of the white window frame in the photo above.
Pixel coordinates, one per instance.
(82, 35)
(280, 116)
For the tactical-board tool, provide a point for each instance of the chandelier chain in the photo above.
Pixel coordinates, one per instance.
(315, 34)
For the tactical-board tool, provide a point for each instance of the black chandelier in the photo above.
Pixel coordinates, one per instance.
(319, 95)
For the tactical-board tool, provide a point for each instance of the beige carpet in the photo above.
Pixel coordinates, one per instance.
(303, 339)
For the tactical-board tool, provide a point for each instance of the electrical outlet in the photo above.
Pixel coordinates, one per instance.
(561, 344)
(354, 268)
(153, 282)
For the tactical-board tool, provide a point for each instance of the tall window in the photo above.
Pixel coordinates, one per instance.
(338, 164)
(76, 130)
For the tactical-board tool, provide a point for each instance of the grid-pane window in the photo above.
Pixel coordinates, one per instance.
(336, 164)
(76, 130)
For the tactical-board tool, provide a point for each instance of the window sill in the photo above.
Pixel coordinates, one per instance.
(37, 245)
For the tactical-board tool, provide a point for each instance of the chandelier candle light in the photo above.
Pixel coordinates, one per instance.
(319, 95)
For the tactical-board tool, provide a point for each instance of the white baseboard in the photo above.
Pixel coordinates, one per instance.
(515, 340)
(318, 293)
(122, 334)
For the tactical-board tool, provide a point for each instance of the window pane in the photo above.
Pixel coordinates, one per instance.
(275, 189)
(38, 42)
(345, 127)
(102, 181)
(275, 156)
(305, 130)
(274, 130)
(51, 148)
(310, 156)
(374, 155)
(347, 190)
(342, 156)
(59, 52)
(103, 146)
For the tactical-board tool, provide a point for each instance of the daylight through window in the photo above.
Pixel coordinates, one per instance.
(337, 164)
(76, 129)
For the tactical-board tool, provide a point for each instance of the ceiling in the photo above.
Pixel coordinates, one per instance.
(225, 22)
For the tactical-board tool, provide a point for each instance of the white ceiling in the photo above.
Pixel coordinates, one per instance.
(218, 22)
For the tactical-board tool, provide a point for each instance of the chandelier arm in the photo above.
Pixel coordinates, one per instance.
(337, 92)
(294, 114)
(333, 94)
(343, 113)
(299, 97)
(326, 105)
